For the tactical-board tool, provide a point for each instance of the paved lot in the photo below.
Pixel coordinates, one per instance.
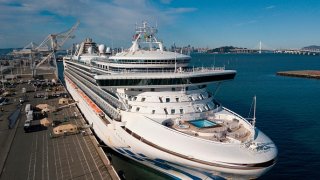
(37, 156)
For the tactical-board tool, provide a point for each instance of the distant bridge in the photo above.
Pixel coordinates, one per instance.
(259, 48)
(263, 48)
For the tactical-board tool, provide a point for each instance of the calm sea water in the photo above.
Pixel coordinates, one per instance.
(288, 110)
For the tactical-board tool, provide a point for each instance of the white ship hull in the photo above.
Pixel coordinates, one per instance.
(148, 104)
(114, 136)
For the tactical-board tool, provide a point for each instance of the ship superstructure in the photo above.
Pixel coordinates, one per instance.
(149, 105)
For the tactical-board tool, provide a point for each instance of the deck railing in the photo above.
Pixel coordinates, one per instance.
(109, 98)
(151, 70)
(108, 109)
(177, 71)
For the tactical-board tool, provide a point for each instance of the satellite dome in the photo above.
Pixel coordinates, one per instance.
(102, 48)
(108, 50)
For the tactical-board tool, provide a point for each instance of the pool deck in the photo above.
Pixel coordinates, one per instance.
(314, 74)
(35, 155)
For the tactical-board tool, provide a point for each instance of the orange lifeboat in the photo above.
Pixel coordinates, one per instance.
(90, 102)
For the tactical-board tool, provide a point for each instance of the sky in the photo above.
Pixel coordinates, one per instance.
(199, 23)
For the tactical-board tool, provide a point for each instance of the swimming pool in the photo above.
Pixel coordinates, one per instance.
(202, 123)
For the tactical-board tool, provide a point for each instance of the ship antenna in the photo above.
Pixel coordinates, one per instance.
(175, 61)
(254, 111)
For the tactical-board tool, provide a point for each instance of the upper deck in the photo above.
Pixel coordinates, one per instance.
(164, 78)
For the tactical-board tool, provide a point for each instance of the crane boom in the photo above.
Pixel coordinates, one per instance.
(57, 41)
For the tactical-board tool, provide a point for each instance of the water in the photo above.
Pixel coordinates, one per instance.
(288, 110)
(202, 123)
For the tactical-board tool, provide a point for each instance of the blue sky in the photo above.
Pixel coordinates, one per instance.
(200, 23)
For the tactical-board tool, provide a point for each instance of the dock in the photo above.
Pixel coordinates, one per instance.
(314, 74)
(39, 155)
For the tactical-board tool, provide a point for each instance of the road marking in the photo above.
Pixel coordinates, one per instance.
(77, 152)
(59, 158)
(65, 149)
(35, 158)
(42, 165)
(55, 158)
(92, 155)
(81, 117)
(48, 176)
(30, 159)
(90, 171)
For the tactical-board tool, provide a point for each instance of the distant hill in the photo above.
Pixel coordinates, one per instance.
(223, 49)
(312, 47)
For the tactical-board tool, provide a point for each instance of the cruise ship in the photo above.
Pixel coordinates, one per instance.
(150, 105)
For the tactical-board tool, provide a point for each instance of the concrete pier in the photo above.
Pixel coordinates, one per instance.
(35, 155)
(315, 74)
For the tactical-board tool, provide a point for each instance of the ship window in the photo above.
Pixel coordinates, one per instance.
(173, 111)
(173, 89)
(210, 105)
(177, 99)
(152, 89)
(137, 109)
(181, 111)
(153, 111)
(200, 97)
(167, 99)
(197, 109)
(143, 99)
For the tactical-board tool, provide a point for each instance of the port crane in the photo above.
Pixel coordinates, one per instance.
(47, 49)
(55, 41)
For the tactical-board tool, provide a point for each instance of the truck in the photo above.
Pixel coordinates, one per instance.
(32, 126)
(28, 108)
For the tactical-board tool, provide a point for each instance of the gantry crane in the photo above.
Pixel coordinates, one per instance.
(55, 41)
(47, 48)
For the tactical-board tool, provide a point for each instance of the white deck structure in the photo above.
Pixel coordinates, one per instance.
(149, 105)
